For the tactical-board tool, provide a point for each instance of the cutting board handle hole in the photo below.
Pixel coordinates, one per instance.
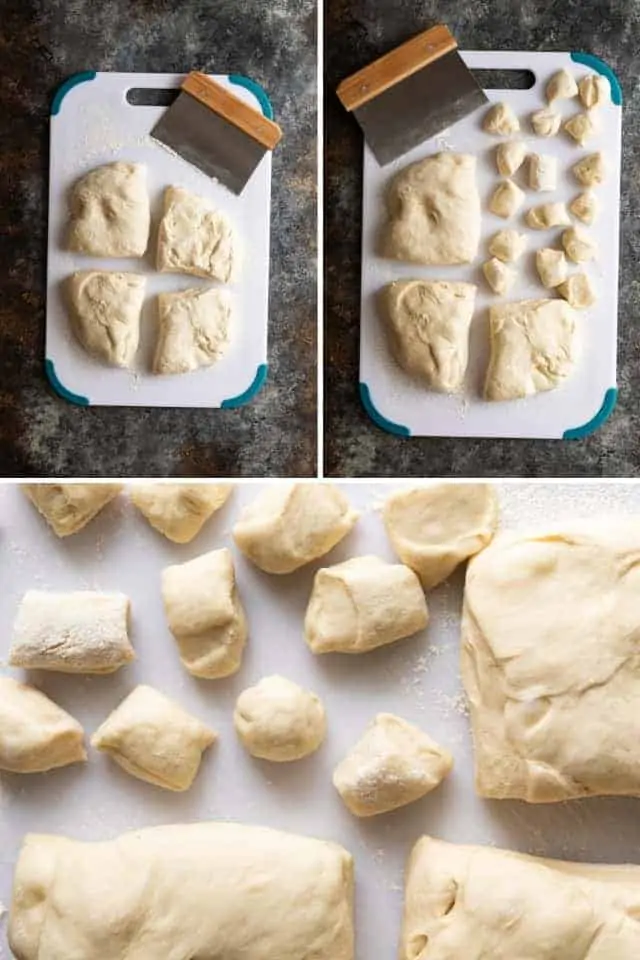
(149, 97)
(505, 79)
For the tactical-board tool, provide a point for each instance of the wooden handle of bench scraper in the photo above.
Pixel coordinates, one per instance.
(236, 111)
(412, 56)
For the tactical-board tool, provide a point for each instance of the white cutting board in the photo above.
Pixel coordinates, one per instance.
(92, 123)
(416, 678)
(404, 406)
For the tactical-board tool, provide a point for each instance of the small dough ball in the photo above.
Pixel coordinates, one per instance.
(179, 510)
(68, 507)
(500, 120)
(154, 739)
(435, 528)
(581, 127)
(551, 266)
(109, 212)
(35, 733)
(548, 215)
(104, 312)
(499, 276)
(195, 238)
(546, 122)
(510, 157)
(393, 764)
(543, 172)
(578, 246)
(508, 245)
(194, 329)
(562, 86)
(578, 291)
(506, 199)
(362, 604)
(590, 170)
(278, 720)
(585, 207)
(292, 524)
(594, 90)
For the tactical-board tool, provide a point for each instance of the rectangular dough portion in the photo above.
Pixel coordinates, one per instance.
(472, 903)
(211, 891)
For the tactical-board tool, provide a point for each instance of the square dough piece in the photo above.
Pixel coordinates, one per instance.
(550, 638)
(428, 326)
(434, 212)
(480, 902)
(68, 507)
(533, 348)
(195, 238)
(180, 510)
(35, 733)
(109, 212)
(105, 309)
(193, 329)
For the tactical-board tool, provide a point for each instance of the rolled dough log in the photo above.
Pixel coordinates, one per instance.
(35, 733)
(68, 507)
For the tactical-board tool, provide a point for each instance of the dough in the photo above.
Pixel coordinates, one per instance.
(35, 733)
(105, 309)
(362, 604)
(594, 91)
(195, 238)
(543, 172)
(551, 266)
(506, 199)
(434, 211)
(585, 207)
(578, 245)
(500, 120)
(428, 322)
(508, 245)
(510, 157)
(499, 277)
(435, 528)
(199, 891)
(393, 764)
(81, 632)
(481, 902)
(193, 329)
(578, 291)
(278, 720)
(179, 510)
(109, 212)
(548, 215)
(548, 724)
(533, 348)
(590, 170)
(546, 122)
(562, 86)
(292, 524)
(581, 127)
(68, 507)
(154, 739)
(205, 615)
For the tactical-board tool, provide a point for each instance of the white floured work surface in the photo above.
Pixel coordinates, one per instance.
(96, 125)
(416, 678)
(407, 402)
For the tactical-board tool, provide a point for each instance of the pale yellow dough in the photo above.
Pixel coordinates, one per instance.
(546, 122)
(500, 120)
(35, 733)
(551, 266)
(180, 510)
(582, 127)
(548, 215)
(506, 199)
(104, 309)
(280, 721)
(69, 507)
(194, 329)
(585, 207)
(499, 276)
(109, 212)
(510, 157)
(578, 245)
(508, 245)
(578, 291)
(195, 238)
(594, 91)
(543, 172)
(590, 171)
(561, 86)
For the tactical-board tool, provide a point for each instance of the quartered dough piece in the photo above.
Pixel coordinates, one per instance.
(578, 245)
(546, 122)
(548, 724)
(393, 764)
(68, 507)
(195, 238)
(585, 207)
(578, 291)
(543, 172)
(179, 510)
(498, 275)
(533, 348)
(508, 245)
(35, 733)
(199, 890)
(428, 326)
(551, 266)
(506, 199)
(481, 902)
(561, 86)
(594, 91)
(81, 632)
(548, 215)
(109, 212)
(291, 524)
(280, 721)
(435, 528)
(362, 604)
(500, 120)
(510, 157)
(590, 170)
(434, 211)
(105, 309)
(194, 329)
(582, 127)
(205, 615)
(154, 739)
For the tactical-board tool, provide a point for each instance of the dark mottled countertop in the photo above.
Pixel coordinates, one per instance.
(357, 31)
(41, 43)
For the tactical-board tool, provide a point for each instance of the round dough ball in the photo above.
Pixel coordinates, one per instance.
(508, 245)
(585, 207)
(499, 276)
(581, 127)
(547, 215)
(510, 157)
(562, 86)
(590, 170)
(546, 122)
(593, 90)
(551, 266)
(506, 199)
(578, 246)
(278, 720)
(501, 121)
(578, 291)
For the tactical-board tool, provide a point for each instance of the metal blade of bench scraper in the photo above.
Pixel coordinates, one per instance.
(419, 107)
(209, 142)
